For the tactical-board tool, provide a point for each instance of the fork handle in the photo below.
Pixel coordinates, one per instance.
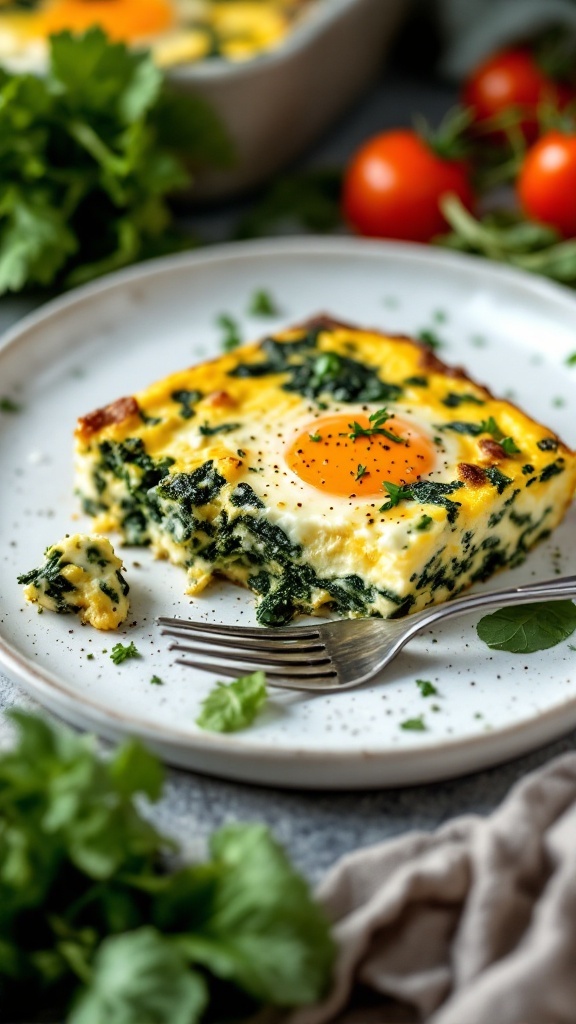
(547, 590)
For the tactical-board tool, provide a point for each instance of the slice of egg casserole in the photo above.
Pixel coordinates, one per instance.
(80, 574)
(327, 468)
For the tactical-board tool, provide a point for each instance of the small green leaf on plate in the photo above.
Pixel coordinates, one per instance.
(528, 628)
(414, 724)
(232, 706)
(427, 689)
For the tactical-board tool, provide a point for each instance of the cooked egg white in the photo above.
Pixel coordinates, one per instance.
(81, 574)
(326, 468)
(177, 31)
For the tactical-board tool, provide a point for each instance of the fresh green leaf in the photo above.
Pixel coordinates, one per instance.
(156, 681)
(231, 336)
(427, 689)
(510, 446)
(396, 493)
(262, 929)
(87, 159)
(121, 652)
(360, 472)
(262, 304)
(315, 437)
(232, 706)
(528, 628)
(96, 925)
(376, 427)
(141, 977)
(414, 724)
(430, 338)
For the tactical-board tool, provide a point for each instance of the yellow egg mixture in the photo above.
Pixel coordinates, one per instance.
(325, 468)
(177, 31)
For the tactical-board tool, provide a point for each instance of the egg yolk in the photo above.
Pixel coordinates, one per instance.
(325, 456)
(122, 20)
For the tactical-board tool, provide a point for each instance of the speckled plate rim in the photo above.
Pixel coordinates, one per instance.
(333, 768)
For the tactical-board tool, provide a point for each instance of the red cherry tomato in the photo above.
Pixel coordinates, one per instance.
(393, 184)
(546, 184)
(512, 78)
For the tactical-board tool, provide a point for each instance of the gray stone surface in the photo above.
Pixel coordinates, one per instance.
(316, 827)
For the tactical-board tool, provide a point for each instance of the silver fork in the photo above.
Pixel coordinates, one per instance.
(333, 655)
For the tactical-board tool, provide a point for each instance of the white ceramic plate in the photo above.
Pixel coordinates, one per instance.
(510, 330)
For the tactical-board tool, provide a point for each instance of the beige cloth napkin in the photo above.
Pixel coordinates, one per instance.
(473, 924)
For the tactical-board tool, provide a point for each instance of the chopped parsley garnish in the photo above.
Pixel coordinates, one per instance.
(571, 359)
(121, 653)
(510, 446)
(490, 426)
(9, 405)
(528, 628)
(427, 689)
(414, 724)
(233, 706)
(376, 419)
(360, 472)
(430, 338)
(262, 304)
(156, 681)
(428, 492)
(231, 337)
(315, 437)
(396, 494)
(241, 453)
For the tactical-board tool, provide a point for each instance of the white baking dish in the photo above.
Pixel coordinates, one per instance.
(278, 103)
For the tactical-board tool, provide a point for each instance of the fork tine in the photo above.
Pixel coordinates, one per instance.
(283, 633)
(275, 658)
(249, 644)
(217, 668)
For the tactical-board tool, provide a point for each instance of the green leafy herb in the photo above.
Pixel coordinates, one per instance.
(231, 337)
(430, 338)
(414, 724)
(528, 628)
(315, 437)
(88, 155)
(121, 653)
(156, 681)
(233, 706)
(376, 421)
(397, 493)
(8, 404)
(427, 689)
(262, 304)
(509, 238)
(96, 924)
(360, 472)
(510, 446)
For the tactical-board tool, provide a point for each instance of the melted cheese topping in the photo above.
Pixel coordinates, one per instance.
(81, 574)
